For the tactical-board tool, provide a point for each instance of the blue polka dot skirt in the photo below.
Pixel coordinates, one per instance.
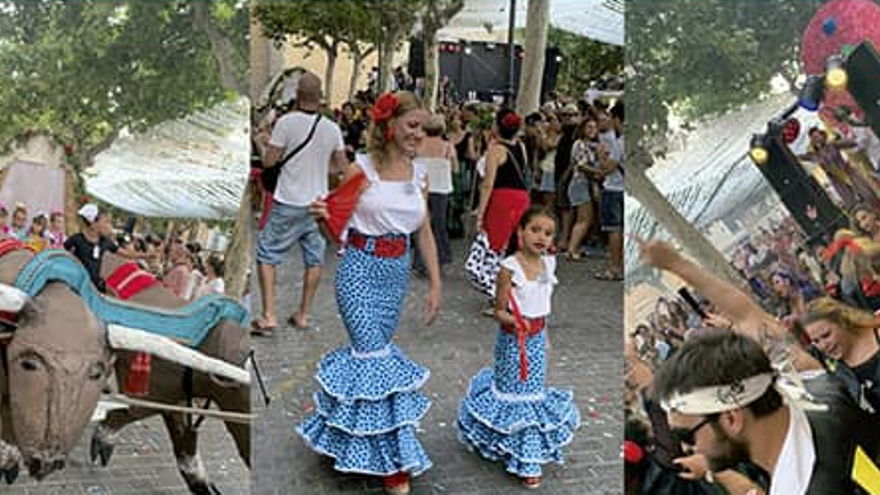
(369, 404)
(520, 423)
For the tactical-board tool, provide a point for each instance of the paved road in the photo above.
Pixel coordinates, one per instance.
(586, 355)
(142, 464)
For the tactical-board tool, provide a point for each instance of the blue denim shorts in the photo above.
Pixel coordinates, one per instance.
(612, 211)
(288, 225)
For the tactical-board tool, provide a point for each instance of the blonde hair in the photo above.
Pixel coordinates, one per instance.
(434, 126)
(848, 318)
(377, 140)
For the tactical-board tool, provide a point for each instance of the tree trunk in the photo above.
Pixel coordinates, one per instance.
(221, 47)
(640, 187)
(332, 51)
(532, 72)
(437, 15)
(358, 58)
(432, 69)
(386, 59)
(240, 252)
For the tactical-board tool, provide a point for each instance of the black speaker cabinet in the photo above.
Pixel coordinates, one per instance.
(799, 193)
(863, 72)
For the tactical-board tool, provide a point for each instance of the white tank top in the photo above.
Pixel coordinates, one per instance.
(439, 173)
(533, 296)
(389, 207)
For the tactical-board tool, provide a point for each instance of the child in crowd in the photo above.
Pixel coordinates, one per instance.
(19, 222)
(56, 230)
(508, 413)
(4, 220)
(36, 238)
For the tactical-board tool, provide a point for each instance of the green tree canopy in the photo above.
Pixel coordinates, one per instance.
(704, 57)
(86, 70)
(584, 60)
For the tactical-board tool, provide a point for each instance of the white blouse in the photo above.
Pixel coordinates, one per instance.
(390, 207)
(532, 296)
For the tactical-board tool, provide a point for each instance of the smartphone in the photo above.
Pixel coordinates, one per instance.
(689, 299)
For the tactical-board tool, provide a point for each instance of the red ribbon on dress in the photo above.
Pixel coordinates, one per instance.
(522, 330)
(129, 280)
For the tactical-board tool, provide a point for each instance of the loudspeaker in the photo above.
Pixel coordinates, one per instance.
(799, 193)
(863, 73)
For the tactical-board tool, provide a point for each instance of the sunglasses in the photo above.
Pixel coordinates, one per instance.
(687, 436)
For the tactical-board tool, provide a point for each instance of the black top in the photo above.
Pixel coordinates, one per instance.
(90, 255)
(836, 433)
(352, 133)
(511, 172)
(563, 156)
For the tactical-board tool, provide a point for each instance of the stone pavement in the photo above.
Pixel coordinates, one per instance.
(586, 356)
(142, 464)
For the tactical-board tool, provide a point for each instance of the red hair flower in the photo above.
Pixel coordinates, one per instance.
(511, 121)
(384, 108)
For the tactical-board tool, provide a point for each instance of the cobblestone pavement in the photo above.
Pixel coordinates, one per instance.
(586, 355)
(142, 464)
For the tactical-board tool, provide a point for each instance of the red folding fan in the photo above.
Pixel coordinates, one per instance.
(341, 203)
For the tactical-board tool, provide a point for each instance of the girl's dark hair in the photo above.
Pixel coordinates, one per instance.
(532, 212)
(217, 264)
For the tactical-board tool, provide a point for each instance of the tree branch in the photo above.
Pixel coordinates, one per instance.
(221, 47)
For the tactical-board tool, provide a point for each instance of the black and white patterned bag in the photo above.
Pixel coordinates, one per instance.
(482, 265)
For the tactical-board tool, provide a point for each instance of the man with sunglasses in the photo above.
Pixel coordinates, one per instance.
(723, 400)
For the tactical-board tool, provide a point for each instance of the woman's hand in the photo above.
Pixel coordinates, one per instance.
(318, 209)
(432, 306)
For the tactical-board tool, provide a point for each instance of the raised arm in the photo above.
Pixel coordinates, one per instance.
(746, 315)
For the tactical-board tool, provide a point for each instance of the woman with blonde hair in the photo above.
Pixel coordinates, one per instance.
(437, 156)
(369, 404)
(848, 342)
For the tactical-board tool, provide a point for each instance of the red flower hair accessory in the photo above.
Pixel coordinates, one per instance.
(384, 108)
(511, 121)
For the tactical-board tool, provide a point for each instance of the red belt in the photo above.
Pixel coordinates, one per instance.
(383, 247)
(525, 327)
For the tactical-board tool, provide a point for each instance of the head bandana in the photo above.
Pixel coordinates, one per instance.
(727, 397)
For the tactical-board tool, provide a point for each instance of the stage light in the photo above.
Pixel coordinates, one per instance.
(758, 150)
(835, 74)
(811, 94)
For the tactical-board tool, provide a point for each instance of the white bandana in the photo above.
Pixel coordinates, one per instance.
(727, 397)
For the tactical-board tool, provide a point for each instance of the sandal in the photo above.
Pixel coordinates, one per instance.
(260, 329)
(531, 482)
(291, 321)
(608, 276)
(396, 484)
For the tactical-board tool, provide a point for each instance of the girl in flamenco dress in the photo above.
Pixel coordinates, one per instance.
(369, 404)
(508, 414)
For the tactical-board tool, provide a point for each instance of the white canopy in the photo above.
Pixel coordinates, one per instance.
(601, 20)
(193, 167)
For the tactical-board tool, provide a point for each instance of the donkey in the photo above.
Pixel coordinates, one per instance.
(170, 384)
(55, 359)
